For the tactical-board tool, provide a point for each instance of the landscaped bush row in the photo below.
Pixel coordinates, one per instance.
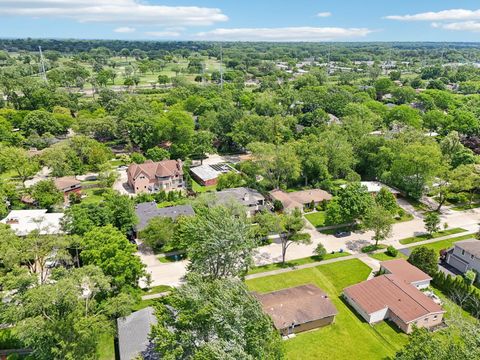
(459, 291)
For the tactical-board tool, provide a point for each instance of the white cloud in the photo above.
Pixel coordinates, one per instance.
(124, 30)
(445, 15)
(163, 34)
(284, 34)
(116, 11)
(473, 26)
(324, 14)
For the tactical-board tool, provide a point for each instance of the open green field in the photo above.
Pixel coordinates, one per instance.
(350, 334)
(295, 263)
(317, 219)
(438, 234)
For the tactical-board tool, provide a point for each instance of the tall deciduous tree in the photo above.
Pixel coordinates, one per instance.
(109, 249)
(65, 318)
(189, 327)
(18, 160)
(380, 221)
(219, 242)
(46, 194)
(425, 259)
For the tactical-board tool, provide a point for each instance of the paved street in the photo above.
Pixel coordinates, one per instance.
(171, 273)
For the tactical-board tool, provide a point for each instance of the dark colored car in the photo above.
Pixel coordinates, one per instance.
(340, 234)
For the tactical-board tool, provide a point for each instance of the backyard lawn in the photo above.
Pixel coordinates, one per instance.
(349, 334)
(201, 189)
(317, 219)
(438, 234)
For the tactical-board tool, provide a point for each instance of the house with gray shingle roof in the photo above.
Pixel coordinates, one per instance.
(133, 335)
(149, 210)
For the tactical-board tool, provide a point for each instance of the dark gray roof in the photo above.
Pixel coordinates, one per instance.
(471, 246)
(150, 210)
(244, 196)
(133, 332)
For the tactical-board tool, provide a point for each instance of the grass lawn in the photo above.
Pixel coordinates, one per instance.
(93, 196)
(317, 219)
(106, 347)
(157, 289)
(445, 244)
(294, 263)
(438, 234)
(417, 205)
(385, 257)
(201, 189)
(350, 336)
(466, 207)
(405, 217)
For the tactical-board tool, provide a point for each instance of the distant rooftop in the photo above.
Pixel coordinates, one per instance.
(24, 222)
(245, 196)
(210, 172)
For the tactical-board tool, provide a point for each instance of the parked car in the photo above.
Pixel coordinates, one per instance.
(340, 234)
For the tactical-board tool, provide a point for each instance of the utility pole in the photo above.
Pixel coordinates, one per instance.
(42, 65)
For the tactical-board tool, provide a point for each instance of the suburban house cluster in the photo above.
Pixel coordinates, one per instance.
(396, 296)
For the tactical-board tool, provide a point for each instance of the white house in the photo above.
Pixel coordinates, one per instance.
(465, 255)
(23, 222)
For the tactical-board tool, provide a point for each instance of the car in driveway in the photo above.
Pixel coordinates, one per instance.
(342, 233)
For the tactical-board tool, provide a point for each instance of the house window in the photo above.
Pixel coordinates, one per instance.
(463, 252)
(434, 317)
(471, 257)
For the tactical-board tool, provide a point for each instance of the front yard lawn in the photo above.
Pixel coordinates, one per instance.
(317, 219)
(385, 257)
(350, 336)
(466, 207)
(438, 234)
(294, 263)
(445, 244)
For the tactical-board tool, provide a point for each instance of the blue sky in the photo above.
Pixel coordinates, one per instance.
(247, 20)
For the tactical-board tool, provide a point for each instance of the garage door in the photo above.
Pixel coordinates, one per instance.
(457, 263)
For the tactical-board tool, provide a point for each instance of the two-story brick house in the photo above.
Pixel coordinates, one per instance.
(166, 175)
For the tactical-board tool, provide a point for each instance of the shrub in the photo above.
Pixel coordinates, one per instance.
(391, 251)
(277, 205)
(370, 248)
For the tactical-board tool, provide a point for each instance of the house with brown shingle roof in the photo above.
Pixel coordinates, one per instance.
(396, 296)
(166, 175)
(68, 185)
(298, 199)
(298, 309)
